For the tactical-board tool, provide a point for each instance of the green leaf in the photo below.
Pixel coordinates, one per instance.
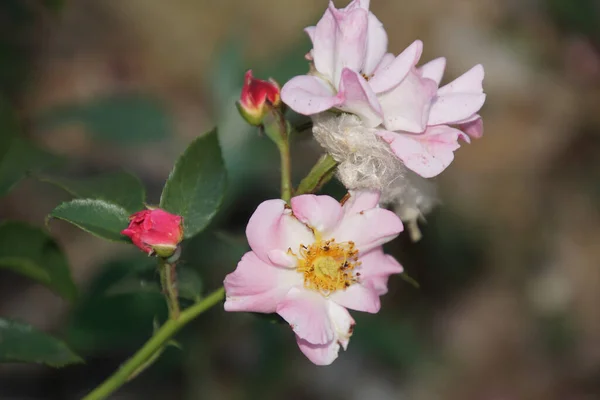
(126, 118)
(98, 217)
(22, 343)
(20, 159)
(31, 252)
(196, 186)
(119, 188)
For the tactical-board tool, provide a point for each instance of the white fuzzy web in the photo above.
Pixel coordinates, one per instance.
(367, 162)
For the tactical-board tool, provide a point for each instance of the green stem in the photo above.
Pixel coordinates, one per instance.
(319, 175)
(168, 280)
(156, 342)
(278, 130)
(286, 173)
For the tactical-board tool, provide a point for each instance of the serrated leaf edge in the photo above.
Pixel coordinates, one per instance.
(51, 181)
(176, 166)
(122, 210)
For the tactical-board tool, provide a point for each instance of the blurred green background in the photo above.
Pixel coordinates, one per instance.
(509, 266)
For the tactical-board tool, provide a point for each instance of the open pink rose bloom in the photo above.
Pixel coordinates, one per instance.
(353, 72)
(311, 262)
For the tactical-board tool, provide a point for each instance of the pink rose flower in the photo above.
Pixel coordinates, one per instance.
(348, 45)
(353, 72)
(451, 114)
(155, 231)
(311, 262)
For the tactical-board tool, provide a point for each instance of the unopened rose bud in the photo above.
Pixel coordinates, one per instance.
(257, 98)
(155, 231)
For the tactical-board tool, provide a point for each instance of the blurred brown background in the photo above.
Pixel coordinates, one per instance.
(509, 266)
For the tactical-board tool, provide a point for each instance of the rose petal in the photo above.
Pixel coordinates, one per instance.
(307, 95)
(272, 227)
(427, 154)
(257, 286)
(306, 312)
(375, 269)
(324, 44)
(406, 107)
(473, 128)
(282, 258)
(364, 4)
(454, 107)
(325, 354)
(469, 82)
(459, 100)
(153, 230)
(386, 60)
(310, 31)
(361, 200)
(136, 239)
(359, 99)
(342, 321)
(319, 212)
(155, 237)
(350, 40)
(368, 229)
(377, 42)
(471, 118)
(392, 74)
(319, 354)
(359, 297)
(434, 69)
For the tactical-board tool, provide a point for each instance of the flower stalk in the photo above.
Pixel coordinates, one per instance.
(278, 130)
(286, 171)
(319, 175)
(168, 280)
(152, 346)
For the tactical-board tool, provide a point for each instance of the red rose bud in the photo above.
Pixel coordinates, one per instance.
(257, 98)
(155, 231)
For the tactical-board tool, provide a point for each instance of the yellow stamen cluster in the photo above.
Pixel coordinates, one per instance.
(328, 266)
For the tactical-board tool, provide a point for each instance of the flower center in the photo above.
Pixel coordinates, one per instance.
(328, 266)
